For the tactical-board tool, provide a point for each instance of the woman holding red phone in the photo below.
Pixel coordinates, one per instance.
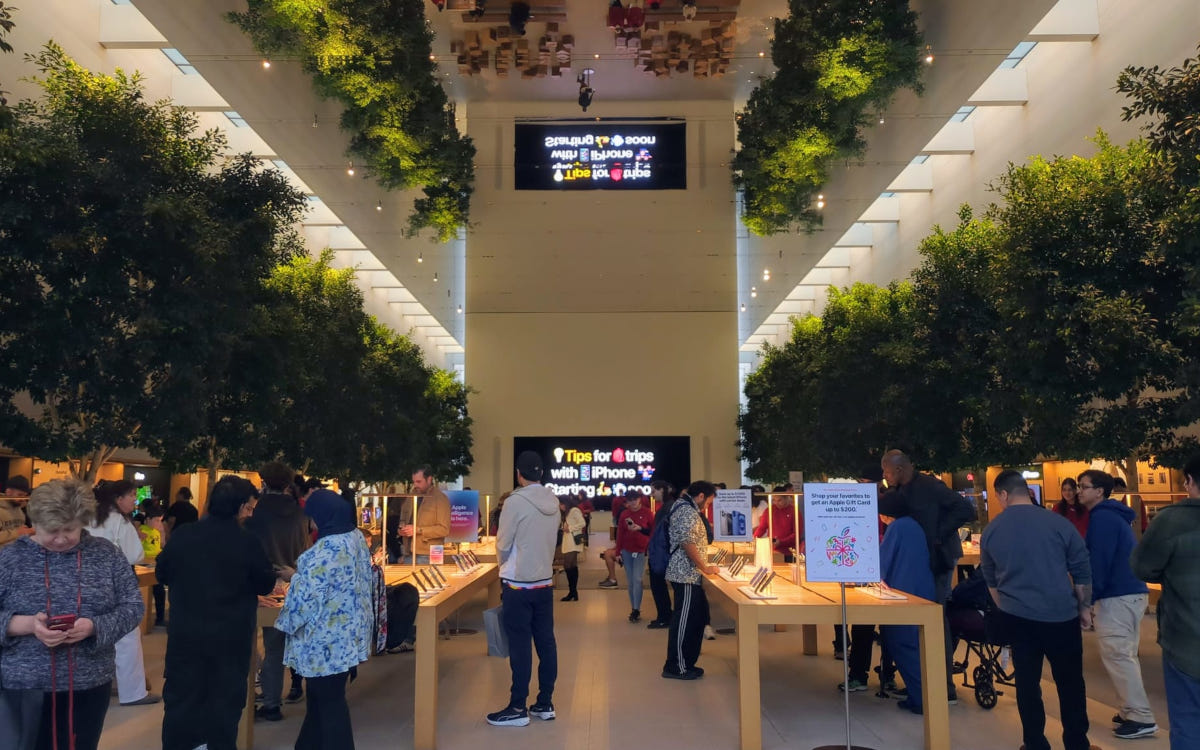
(66, 597)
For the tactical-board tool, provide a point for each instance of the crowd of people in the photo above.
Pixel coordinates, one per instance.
(70, 608)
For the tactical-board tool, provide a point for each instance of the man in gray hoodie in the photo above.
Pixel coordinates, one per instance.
(525, 543)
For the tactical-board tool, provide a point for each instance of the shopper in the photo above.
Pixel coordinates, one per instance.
(689, 560)
(433, 515)
(151, 532)
(572, 544)
(1038, 573)
(281, 526)
(904, 565)
(525, 548)
(1071, 508)
(66, 597)
(664, 495)
(328, 618)
(181, 512)
(779, 523)
(12, 511)
(940, 511)
(633, 536)
(215, 572)
(115, 500)
(1120, 600)
(1169, 554)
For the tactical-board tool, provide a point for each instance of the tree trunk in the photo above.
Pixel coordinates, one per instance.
(1135, 498)
(86, 468)
(982, 512)
(213, 467)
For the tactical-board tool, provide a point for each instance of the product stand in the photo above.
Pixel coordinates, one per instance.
(845, 680)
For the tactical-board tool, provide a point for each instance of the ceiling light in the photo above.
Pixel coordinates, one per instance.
(435, 278)
(432, 56)
(820, 200)
(928, 55)
(350, 169)
(139, 476)
(766, 274)
(460, 309)
(881, 118)
(762, 54)
(420, 257)
(266, 64)
(596, 56)
(753, 291)
(743, 307)
(379, 206)
(314, 121)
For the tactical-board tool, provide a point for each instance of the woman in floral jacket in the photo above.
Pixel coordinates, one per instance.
(327, 618)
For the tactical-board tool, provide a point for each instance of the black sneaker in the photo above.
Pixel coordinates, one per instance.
(690, 674)
(1131, 730)
(262, 713)
(635, 615)
(509, 717)
(544, 711)
(295, 695)
(658, 625)
(839, 655)
(1116, 719)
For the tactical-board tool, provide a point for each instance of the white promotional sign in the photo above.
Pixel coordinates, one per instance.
(731, 516)
(841, 533)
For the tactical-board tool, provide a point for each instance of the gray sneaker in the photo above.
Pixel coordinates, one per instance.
(1131, 730)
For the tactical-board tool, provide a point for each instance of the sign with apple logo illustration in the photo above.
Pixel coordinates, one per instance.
(841, 532)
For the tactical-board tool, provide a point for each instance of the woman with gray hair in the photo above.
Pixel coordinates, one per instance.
(66, 597)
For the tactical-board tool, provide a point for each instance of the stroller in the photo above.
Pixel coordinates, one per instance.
(970, 612)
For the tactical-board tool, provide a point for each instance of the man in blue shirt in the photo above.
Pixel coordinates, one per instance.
(1038, 573)
(1120, 601)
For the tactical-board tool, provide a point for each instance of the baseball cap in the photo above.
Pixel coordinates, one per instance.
(18, 483)
(529, 464)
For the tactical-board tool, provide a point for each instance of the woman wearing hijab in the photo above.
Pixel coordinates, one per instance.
(327, 618)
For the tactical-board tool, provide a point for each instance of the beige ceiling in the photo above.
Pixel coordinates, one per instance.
(970, 40)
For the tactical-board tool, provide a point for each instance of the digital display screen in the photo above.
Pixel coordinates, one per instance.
(602, 155)
(603, 467)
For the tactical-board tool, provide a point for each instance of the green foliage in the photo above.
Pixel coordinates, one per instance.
(6, 25)
(838, 63)
(124, 237)
(374, 57)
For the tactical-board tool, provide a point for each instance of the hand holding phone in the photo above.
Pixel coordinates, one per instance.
(61, 623)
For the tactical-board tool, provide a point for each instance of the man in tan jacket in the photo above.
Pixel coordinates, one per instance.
(433, 515)
(12, 513)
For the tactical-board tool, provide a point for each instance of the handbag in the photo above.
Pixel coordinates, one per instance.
(493, 625)
(578, 538)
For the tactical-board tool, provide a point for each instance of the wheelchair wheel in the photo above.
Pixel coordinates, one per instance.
(985, 691)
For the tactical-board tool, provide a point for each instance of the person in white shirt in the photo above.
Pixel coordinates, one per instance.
(114, 502)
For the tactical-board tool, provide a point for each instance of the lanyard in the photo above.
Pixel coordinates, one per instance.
(70, 658)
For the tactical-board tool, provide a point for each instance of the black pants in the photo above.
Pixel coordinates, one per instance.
(1062, 644)
(862, 640)
(662, 596)
(90, 707)
(528, 619)
(205, 692)
(687, 627)
(160, 603)
(327, 718)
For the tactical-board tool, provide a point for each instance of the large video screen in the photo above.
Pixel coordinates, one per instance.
(607, 467)
(601, 155)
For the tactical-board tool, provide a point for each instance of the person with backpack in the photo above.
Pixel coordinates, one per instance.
(688, 561)
(664, 494)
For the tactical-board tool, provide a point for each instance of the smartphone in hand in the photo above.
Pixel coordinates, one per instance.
(61, 622)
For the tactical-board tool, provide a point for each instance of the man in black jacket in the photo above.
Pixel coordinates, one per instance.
(940, 511)
(215, 572)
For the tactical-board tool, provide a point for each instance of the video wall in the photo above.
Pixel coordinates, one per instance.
(603, 467)
(601, 155)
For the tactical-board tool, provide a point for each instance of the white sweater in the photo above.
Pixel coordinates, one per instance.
(119, 530)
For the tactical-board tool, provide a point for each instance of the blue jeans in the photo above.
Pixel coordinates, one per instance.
(635, 568)
(1183, 707)
(528, 619)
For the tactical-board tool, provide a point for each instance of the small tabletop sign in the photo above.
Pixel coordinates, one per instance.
(464, 516)
(841, 533)
(731, 516)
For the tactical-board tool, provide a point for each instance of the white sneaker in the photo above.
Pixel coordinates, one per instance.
(709, 633)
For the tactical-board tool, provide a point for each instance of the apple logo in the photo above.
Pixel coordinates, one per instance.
(619, 456)
(840, 549)
(615, 173)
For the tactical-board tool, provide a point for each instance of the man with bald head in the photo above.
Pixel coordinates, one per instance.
(940, 511)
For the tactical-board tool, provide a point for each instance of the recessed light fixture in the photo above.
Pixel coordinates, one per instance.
(762, 54)
(820, 200)
(435, 278)
(315, 121)
(379, 205)
(928, 54)
(766, 274)
(350, 169)
(432, 56)
(420, 257)
(266, 63)
(596, 56)
(753, 291)
(743, 307)
(460, 309)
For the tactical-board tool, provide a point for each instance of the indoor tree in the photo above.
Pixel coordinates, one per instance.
(129, 243)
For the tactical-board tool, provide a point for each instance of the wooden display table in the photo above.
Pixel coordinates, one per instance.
(461, 589)
(812, 604)
(146, 582)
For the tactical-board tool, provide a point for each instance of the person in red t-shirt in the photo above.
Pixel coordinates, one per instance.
(633, 537)
(1070, 507)
(613, 553)
(780, 521)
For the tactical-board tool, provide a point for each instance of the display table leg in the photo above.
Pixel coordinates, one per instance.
(426, 687)
(246, 730)
(808, 639)
(749, 687)
(933, 683)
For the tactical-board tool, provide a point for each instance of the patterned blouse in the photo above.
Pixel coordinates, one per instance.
(328, 612)
(686, 527)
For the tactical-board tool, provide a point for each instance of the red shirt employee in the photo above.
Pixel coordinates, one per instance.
(781, 515)
(633, 536)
